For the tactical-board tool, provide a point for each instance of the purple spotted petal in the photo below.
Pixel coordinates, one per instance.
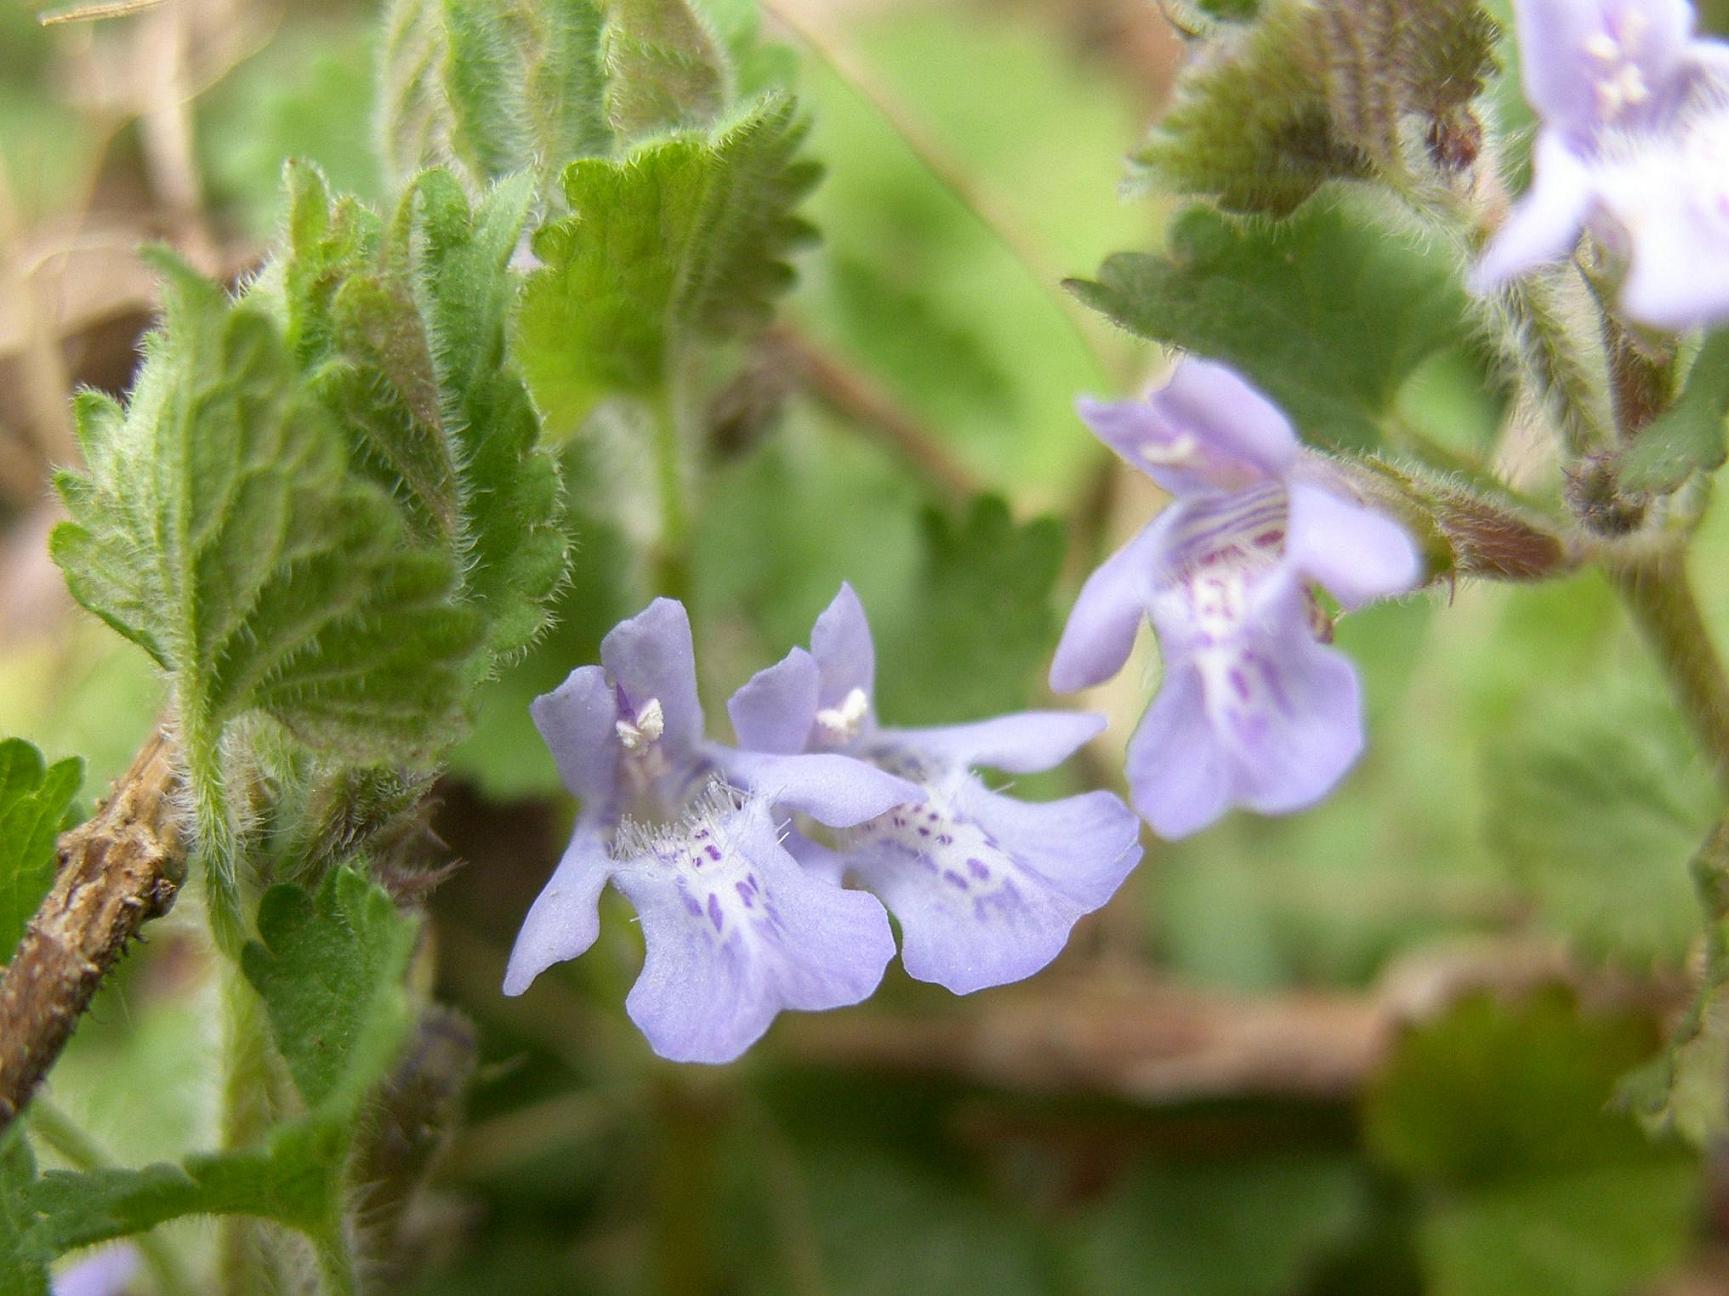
(1546, 223)
(577, 721)
(565, 919)
(731, 945)
(1269, 719)
(1100, 632)
(107, 1272)
(986, 888)
(1179, 773)
(1569, 49)
(1355, 552)
(1024, 743)
(832, 789)
(841, 643)
(651, 659)
(776, 708)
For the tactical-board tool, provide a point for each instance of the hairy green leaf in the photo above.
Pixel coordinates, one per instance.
(34, 800)
(684, 240)
(983, 596)
(1325, 313)
(23, 1270)
(1688, 437)
(220, 528)
(667, 69)
(492, 87)
(329, 968)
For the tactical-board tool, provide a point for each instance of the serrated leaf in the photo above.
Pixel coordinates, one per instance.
(1688, 437)
(329, 968)
(220, 528)
(34, 800)
(666, 69)
(23, 1270)
(1326, 314)
(415, 369)
(488, 88)
(686, 239)
(983, 595)
(1251, 126)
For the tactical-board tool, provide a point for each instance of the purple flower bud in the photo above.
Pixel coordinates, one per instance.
(105, 1272)
(735, 929)
(1253, 711)
(986, 888)
(1634, 146)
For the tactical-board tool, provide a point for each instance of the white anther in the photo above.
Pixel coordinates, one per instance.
(1179, 450)
(842, 723)
(1604, 48)
(646, 731)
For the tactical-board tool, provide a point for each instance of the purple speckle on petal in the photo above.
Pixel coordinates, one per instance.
(714, 914)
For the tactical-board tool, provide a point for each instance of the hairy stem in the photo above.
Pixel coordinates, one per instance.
(116, 872)
(1659, 596)
(244, 1245)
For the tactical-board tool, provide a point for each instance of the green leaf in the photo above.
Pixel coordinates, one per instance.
(329, 968)
(1688, 437)
(1251, 126)
(34, 801)
(23, 1271)
(1326, 314)
(1575, 794)
(492, 87)
(983, 623)
(685, 240)
(1186, 1227)
(1601, 1232)
(420, 371)
(220, 528)
(667, 69)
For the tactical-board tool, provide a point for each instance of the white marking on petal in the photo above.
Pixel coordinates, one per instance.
(968, 861)
(842, 724)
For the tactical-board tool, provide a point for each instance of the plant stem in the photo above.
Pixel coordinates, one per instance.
(1659, 597)
(246, 1116)
(672, 556)
(61, 1133)
(335, 1263)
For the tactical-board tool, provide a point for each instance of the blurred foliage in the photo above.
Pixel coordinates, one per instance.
(1522, 779)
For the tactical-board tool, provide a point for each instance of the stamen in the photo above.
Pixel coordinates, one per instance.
(649, 725)
(1604, 48)
(1177, 451)
(842, 724)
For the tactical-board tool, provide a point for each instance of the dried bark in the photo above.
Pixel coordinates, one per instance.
(116, 872)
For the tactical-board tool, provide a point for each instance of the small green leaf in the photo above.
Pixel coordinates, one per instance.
(220, 528)
(1251, 126)
(1688, 437)
(34, 800)
(488, 88)
(983, 620)
(667, 70)
(23, 1269)
(684, 240)
(329, 968)
(1326, 314)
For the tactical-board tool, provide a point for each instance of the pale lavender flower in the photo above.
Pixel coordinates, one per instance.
(986, 888)
(1634, 145)
(1252, 710)
(735, 929)
(106, 1272)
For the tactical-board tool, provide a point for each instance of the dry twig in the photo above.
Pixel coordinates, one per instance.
(117, 872)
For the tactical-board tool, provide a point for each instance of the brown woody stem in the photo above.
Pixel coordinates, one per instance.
(116, 872)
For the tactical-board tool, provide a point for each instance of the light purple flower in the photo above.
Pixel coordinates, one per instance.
(1634, 145)
(986, 888)
(1253, 710)
(105, 1272)
(735, 929)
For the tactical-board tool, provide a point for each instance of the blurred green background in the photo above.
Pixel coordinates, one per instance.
(1368, 1050)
